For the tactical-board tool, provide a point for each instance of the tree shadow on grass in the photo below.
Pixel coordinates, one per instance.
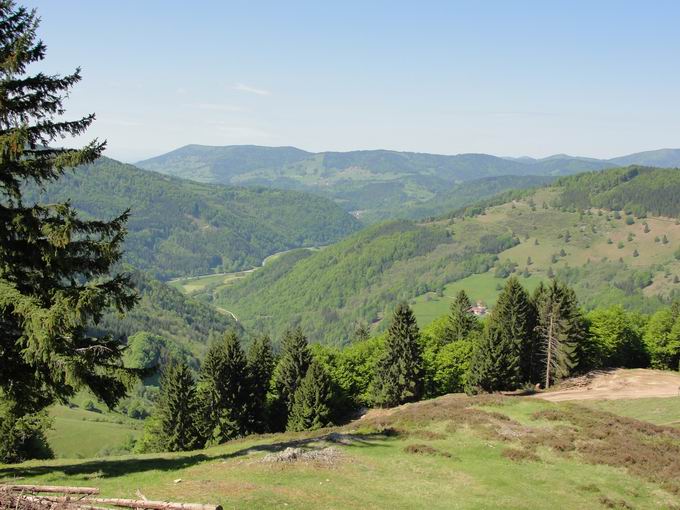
(111, 468)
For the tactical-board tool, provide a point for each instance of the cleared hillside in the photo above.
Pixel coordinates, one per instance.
(180, 228)
(450, 452)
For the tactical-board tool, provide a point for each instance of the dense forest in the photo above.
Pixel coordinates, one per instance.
(635, 190)
(180, 228)
(458, 196)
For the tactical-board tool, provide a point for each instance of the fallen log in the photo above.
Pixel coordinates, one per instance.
(50, 503)
(131, 503)
(152, 505)
(51, 488)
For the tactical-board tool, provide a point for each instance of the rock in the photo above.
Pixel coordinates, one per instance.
(325, 455)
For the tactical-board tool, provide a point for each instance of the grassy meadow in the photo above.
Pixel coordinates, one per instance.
(542, 237)
(78, 432)
(451, 452)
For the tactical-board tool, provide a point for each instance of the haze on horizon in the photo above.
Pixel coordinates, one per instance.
(510, 79)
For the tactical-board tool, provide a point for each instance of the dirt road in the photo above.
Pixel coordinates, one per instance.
(617, 384)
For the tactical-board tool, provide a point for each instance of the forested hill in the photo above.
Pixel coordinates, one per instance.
(377, 184)
(166, 312)
(635, 189)
(296, 168)
(599, 231)
(329, 292)
(180, 227)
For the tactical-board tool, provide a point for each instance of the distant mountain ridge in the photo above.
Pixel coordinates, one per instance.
(374, 184)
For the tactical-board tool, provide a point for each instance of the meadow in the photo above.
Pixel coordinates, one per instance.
(451, 452)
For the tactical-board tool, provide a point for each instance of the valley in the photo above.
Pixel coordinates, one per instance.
(537, 234)
(394, 318)
(180, 228)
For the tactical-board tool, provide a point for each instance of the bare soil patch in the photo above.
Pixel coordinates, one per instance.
(616, 384)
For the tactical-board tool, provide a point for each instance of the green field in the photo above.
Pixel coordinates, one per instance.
(214, 282)
(662, 411)
(479, 287)
(78, 433)
(452, 452)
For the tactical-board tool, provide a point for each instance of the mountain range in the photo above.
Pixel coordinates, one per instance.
(376, 184)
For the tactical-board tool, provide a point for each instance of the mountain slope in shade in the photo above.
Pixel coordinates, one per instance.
(179, 227)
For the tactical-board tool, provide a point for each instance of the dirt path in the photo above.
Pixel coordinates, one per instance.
(617, 384)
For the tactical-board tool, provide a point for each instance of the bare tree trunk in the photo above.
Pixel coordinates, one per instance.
(549, 349)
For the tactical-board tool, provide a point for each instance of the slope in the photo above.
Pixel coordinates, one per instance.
(180, 228)
(454, 451)
(328, 291)
(609, 257)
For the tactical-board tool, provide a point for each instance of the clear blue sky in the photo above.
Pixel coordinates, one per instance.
(593, 78)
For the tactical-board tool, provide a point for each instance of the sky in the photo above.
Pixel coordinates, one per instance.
(510, 78)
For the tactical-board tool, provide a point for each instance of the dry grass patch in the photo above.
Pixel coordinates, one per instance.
(423, 449)
(519, 455)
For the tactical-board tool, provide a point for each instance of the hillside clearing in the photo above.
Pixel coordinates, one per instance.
(450, 452)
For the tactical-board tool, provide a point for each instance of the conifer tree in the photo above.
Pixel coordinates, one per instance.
(508, 339)
(224, 391)
(54, 266)
(361, 332)
(494, 362)
(312, 404)
(290, 370)
(461, 321)
(560, 330)
(399, 377)
(260, 370)
(177, 409)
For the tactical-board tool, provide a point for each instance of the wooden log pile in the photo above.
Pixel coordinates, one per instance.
(54, 497)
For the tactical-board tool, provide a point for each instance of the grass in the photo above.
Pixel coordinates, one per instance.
(542, 236)
(480, 287)
(660, 411)
(452, 452)
(214, 282)
(80, 433)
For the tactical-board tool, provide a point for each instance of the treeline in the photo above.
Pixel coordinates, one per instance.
(527, 340)
(181, 228)
(639, 191)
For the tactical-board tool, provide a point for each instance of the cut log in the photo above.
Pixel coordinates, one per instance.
(52, 489)
(153, 505)
(132, 503)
